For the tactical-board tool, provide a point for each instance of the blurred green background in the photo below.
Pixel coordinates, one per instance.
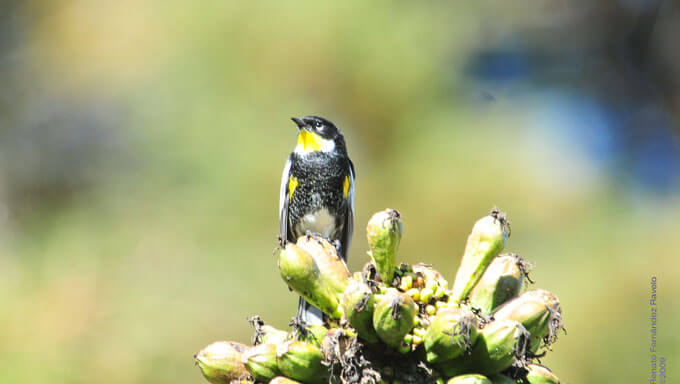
(142, 142)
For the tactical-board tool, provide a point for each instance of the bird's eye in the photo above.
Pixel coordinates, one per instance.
(319, 127)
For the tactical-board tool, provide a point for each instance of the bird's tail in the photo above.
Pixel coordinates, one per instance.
(309, 314)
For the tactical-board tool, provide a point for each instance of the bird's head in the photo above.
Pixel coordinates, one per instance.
(317, 134)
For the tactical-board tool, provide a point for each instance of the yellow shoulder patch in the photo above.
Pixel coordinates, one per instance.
(292, 184)
(345, 186)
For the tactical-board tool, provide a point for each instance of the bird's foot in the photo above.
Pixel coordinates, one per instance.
(257, 323)
(338, 246)
(314, 235)
(299, 326)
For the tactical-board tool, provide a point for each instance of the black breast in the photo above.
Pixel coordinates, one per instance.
(321, 178)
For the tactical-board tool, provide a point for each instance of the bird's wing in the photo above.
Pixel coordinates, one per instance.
(349, 220)
(283, 202)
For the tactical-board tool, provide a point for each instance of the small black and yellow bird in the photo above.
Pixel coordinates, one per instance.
(317, 193)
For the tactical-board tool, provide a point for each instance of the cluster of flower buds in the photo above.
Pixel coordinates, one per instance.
(390, 320)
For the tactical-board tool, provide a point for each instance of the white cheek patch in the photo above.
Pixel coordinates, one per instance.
(327, 145)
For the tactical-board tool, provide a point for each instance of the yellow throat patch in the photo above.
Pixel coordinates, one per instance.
(309, 141)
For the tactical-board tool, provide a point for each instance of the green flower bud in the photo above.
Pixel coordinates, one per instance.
(430, 309)
(220, 362)
(538, 374)
(414, 293)
(272, 335)
(315, 334)
(394, 316)
(440, 292)
(431, 278)
(452, 368)
(260, 361)
(404, 348)
(384, 233)
(326, 257)
(499, 345)
(469, 379)
(501, 282)
(539, 312)
(486, 241)
(283, 380)
(302, 361)
(452, 331)
(266, 334)
(405, 283)
(425, 295)
(319, 276)
(358, 304)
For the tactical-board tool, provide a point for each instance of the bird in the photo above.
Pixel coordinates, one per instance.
(317, 193)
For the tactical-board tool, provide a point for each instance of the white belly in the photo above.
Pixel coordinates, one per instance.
(321, 222)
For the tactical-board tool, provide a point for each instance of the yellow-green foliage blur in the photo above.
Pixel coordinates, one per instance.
(148, 232)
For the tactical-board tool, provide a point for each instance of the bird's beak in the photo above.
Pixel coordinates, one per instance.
(298, 122)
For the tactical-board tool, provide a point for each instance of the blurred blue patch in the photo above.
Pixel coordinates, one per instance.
(585, 123)
(499, 66)
(654, 150)
(627, 135)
